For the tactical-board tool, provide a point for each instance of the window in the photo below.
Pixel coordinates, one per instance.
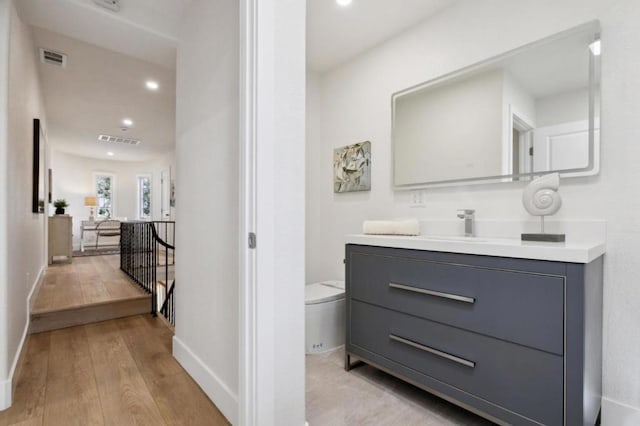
(144, 197)
(104, 193)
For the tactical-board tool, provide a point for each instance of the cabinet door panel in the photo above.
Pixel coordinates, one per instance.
(526, 381)
(520, 307)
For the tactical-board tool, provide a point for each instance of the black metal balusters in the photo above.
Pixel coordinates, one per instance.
(146, 251)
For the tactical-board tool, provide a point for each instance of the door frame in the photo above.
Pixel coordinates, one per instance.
(272, 102)
(248, 381)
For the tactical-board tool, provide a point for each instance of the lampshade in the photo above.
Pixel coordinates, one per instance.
(90, 201)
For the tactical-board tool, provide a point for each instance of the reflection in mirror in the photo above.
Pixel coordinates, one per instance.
(528, 112)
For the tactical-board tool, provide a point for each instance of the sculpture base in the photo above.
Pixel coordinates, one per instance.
(543, 237)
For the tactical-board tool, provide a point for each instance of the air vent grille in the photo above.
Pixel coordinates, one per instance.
(118, 139)
(54, 58)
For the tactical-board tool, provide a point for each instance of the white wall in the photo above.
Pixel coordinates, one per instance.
(355, 105)
(206, 338)
(459, 124)
(22, 231)
(316, 181)
(563, 108)
(5, 386)
(73, 179)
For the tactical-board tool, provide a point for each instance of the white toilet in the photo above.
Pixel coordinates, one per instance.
(325, 316)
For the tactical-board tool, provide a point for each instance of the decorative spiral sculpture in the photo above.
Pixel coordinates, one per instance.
(540, 197)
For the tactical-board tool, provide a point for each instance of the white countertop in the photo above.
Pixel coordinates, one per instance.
(573, 252)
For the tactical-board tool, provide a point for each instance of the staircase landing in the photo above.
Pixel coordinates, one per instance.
(90, 289)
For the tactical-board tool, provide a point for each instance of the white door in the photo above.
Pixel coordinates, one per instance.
(165, 195)
(562, 147)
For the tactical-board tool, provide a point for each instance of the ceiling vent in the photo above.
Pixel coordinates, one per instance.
(109, 4)
(118, 139)
(48, 56)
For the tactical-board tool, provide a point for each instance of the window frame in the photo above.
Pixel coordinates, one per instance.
(112, 176)
(139, 178)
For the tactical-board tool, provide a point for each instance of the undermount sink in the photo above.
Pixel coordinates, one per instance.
(453, 238)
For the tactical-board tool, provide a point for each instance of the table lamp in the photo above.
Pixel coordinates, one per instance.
(90, 202)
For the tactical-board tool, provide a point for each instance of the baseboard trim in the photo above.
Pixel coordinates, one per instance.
(5, 394)
(213, 387)
(616, 413)
(7, 386)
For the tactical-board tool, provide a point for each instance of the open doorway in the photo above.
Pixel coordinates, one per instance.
(107, 83)
(521, 145)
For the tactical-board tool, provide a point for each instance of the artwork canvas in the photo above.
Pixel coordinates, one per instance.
(39, 153)
(352, 168)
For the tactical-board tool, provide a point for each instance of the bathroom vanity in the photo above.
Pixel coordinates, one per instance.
(511, 331)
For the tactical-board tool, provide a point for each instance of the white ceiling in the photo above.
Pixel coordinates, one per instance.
(145, 29)
(111, 55)
(96, 91)
(552, 68)
(103, 82)
(335, 34)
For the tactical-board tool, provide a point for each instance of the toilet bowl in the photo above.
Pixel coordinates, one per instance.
(325, 316)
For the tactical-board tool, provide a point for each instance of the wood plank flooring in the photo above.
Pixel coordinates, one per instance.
(87, 280)
(118, 372)
(90, 289)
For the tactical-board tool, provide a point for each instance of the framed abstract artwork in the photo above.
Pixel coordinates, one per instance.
(39, 153)
(352, 168)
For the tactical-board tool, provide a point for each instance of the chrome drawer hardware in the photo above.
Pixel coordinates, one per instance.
(434, 293)
(445, 355)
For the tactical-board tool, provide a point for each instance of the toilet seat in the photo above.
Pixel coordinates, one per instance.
(322, 292)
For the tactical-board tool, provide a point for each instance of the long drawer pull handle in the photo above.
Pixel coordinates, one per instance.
(434, 293)
(445, 355)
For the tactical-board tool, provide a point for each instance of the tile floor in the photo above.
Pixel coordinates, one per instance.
(367, 396)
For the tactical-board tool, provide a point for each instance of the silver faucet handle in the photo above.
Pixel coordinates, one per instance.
(464, 213)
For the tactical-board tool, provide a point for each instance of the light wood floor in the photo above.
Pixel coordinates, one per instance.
(118, 372)
(87, 280)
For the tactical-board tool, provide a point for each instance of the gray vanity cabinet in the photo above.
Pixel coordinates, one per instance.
(517, 341)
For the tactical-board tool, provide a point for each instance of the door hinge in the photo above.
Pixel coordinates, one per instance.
(252, 240)
(531, 151)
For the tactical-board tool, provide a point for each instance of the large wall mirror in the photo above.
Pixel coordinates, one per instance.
(528, 112)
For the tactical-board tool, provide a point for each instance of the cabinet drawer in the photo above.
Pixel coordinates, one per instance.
(520, 307)
(523, 380)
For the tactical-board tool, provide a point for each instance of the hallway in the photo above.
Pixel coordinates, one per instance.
(116, 372)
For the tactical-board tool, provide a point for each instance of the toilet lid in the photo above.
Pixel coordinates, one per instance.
(323, 292)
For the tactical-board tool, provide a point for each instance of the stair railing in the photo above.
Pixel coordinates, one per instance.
(147, 255)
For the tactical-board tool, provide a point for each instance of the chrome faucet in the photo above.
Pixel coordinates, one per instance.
(469, 221)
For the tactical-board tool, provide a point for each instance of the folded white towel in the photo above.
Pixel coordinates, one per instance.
(391, 227)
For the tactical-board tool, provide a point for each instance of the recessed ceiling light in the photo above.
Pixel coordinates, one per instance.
(127, 122)
(152, 85)
(343, 2)
(110, 154)
(596, 47)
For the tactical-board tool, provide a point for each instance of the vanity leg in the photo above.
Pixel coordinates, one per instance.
(348, 366)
